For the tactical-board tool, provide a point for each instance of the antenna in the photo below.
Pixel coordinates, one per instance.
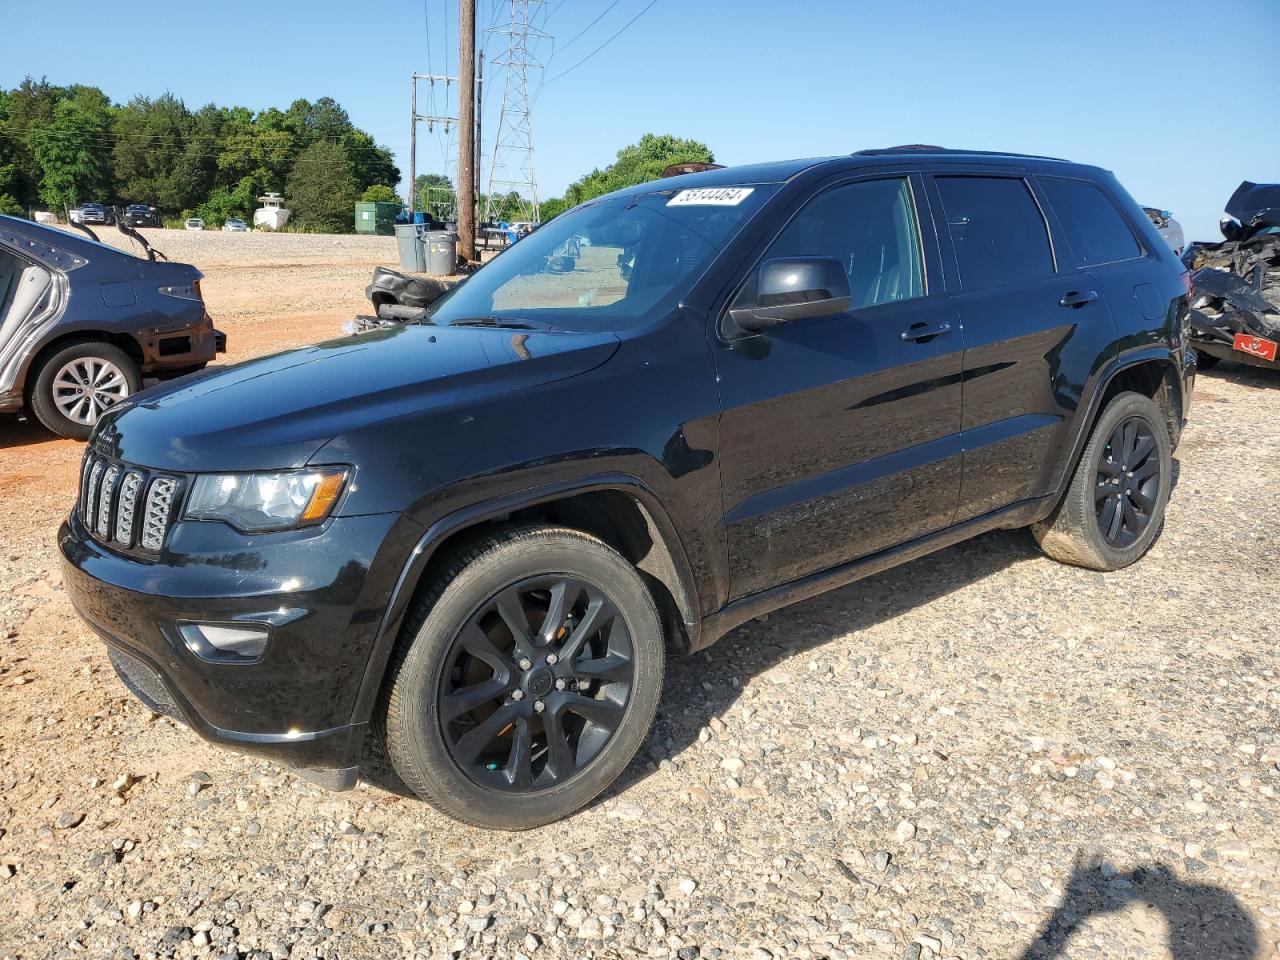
(512, 168)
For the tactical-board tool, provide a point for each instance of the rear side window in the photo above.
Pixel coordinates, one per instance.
(997, 230)
(1096, 230)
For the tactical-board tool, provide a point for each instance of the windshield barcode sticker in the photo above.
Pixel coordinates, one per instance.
(711, 197)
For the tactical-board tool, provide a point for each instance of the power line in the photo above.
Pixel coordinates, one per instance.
(602, 15)
(646, 9)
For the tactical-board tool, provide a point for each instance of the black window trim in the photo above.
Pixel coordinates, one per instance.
(1143, 252)
(843, 179)
(995, 174)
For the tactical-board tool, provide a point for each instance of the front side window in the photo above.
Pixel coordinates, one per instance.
(1094, 227)
(870, 227)
(997, 231)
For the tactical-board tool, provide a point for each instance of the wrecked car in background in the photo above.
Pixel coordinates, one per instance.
(1168, 228)
(82, 323)
(1236, 282)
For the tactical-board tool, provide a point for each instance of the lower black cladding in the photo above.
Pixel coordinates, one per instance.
(144, 683)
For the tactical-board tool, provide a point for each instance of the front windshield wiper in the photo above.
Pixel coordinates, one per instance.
(504, 323)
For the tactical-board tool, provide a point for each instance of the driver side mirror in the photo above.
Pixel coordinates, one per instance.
(795, 288)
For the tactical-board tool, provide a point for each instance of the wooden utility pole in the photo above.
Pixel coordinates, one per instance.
(413, 148)
(466, 129)
(479, 138)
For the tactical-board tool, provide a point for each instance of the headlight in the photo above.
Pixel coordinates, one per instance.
(182, 291)
(257, 502)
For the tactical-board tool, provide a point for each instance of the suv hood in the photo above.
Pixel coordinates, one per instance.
(277, 411)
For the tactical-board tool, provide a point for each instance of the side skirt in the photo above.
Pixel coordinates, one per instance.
(1020, 514)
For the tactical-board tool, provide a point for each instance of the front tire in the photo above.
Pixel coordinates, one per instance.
(525, 679)
(78, 383)
(1114, 507)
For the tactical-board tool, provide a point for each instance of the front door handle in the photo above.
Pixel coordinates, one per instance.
(925, 331)
(1076, 298)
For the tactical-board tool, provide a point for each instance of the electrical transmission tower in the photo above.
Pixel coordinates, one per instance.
(512, 168)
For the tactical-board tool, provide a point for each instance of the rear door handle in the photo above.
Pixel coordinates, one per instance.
(1077, 298)
(925, 331)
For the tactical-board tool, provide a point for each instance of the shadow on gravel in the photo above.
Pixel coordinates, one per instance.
(1204, 922)
(688, 705)
(22, 433)
(1243, 375)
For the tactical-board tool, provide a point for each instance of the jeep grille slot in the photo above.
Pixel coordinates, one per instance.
(126, 506)
(155, 522)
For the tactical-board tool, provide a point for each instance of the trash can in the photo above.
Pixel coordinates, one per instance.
(409, 242)
(442, 253)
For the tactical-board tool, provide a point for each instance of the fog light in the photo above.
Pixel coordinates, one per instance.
(225, 641)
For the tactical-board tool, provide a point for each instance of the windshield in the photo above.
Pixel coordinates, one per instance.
(607, 265)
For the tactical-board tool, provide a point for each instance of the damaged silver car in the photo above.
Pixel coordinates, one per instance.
(82, 323)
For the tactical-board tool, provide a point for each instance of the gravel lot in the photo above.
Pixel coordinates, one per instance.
(981, 754)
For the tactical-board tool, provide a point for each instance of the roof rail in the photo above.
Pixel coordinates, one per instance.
(930, 148)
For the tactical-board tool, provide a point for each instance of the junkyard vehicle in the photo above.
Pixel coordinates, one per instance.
(141, 215)
(1167, 227)
(194, 223)
(1236, 308)
(232, 225)
(96, 213)
(482, 533)
(82, 323)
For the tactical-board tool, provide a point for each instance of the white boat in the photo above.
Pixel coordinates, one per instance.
(271, 215)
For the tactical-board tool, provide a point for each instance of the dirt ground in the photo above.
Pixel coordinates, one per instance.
(981, 754)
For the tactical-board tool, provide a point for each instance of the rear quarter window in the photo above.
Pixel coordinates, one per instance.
(1095, 228)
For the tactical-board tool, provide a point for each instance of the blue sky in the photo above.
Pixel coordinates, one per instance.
(1144, 88)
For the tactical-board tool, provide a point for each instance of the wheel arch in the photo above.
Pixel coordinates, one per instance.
(28, 374)
(618, 509)
(1152, 373)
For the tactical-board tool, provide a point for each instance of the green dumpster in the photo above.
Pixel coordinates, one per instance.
(377, 218)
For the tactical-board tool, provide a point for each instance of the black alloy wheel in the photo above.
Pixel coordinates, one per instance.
(535, 683)
(526, 676)
(1128, 482)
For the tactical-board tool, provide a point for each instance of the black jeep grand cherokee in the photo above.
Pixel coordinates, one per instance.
(667, 411)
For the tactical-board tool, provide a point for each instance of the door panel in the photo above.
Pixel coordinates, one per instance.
(839, 437)
(1023, 347)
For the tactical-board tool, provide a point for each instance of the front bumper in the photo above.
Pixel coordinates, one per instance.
(320, 591)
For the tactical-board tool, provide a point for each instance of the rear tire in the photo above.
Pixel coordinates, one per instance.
(513, 730)
(1114, 506)
(76, 384)
(1206, 361)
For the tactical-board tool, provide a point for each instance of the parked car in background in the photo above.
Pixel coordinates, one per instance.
(811, 371)
(141, 215)
(1167, 227)
(82, 323)
(194, 223)
(96, 213)
(233, 225)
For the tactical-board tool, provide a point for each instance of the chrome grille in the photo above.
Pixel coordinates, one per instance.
(126, 506)
(129, 489)
(155, 520)
(106, 494)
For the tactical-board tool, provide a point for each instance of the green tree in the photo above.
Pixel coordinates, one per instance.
(30, 104)
(71, 149)
(152, 138)
(8, 169)
(322, 189)
(638, 163)
(379, 193)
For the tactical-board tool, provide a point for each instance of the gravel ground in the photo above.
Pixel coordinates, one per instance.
(981, 754)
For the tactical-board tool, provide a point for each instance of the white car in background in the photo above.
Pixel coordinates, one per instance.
(1167, 227)
(233, 225)
(194, 223)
